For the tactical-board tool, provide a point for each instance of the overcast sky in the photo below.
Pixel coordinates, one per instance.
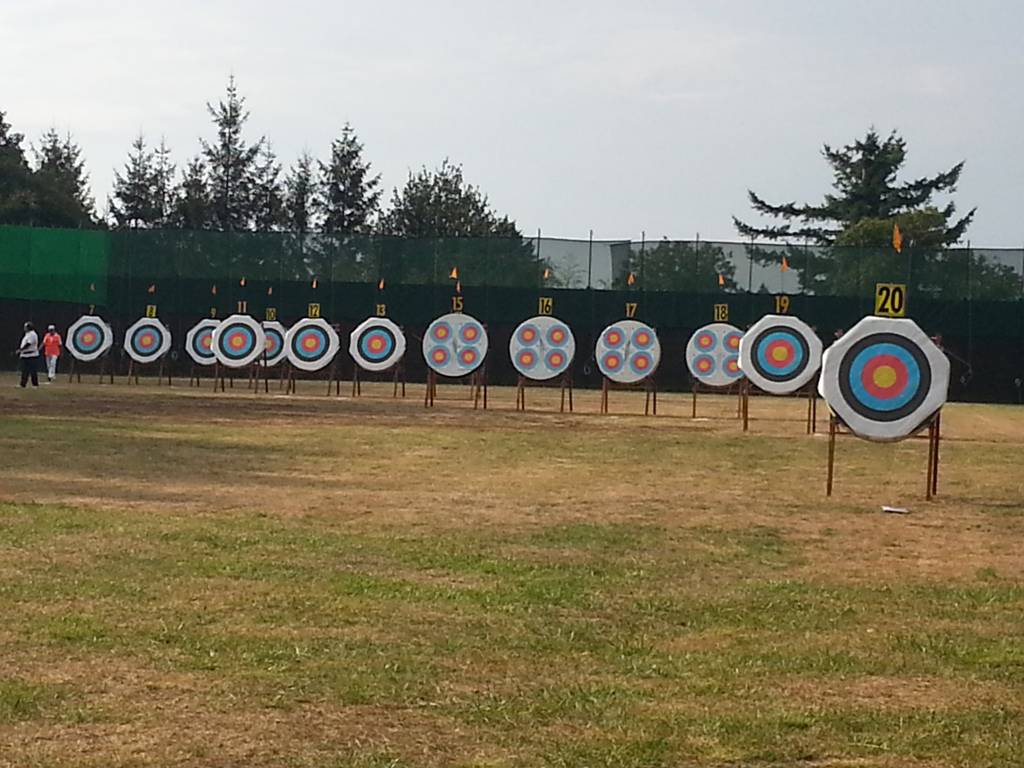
(620, 117)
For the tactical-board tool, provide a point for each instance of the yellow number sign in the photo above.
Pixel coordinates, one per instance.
(891, 299)
(721, 313)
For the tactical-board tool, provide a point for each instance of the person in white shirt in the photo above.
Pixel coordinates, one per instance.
(29, 354)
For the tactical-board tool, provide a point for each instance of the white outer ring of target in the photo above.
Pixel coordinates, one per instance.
(391, 360)
(165, 340)
(105, 344)
(800, 328)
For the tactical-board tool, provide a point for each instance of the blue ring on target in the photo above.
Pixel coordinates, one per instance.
(97, 341)
(310, 353)
(794, 341)
(899, 399)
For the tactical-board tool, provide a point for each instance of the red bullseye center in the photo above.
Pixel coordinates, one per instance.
(780, 353)
(885, 376)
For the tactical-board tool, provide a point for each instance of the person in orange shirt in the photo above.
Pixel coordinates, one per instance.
(51, 349)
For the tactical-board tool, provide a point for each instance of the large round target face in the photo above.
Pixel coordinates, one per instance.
(542, 347)
(712, 355)
(884, 378)
(147, 340)
(199, 342)
(311, 344)
(238, 341)
(275, 333)
(455, 344)
(376, 344)
(88, 338)
(780, 354)
(628, 351)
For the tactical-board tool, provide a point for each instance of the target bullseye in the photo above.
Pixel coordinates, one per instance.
(88, 338)
(455, 344)
(779, 354)
(884, 378)
(147, 340)
(712, 355)
(627, 351)
(542, 348)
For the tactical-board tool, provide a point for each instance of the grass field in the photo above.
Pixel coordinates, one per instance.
(234, 580)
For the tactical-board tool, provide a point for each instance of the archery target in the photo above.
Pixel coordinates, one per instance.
(455, 344)
(311, 344)
(884, 378)
(780, 354)
(238, 341)
(199, 342)
(628, 351)
(147, 340)
(713, 354)
(88, 338)
(377, 344)
(542, 348)
(275, 333)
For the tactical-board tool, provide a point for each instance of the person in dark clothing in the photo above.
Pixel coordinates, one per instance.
(28, 352)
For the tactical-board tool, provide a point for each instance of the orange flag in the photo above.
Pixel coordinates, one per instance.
(784, 267)
(454, 274)
(631, 279)
(721, 279)
(897, 238)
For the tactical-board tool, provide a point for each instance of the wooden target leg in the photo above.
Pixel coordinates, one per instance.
(831, 454)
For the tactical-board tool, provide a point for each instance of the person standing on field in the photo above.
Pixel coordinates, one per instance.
(51, 348)
(28, 352)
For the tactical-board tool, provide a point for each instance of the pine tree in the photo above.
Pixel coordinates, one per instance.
(866, 189)
(268, 195)
(230, 163)
(17, 199)
(192, 207)
(300, 195)
(62, 185)
(132, 202)
(348, 198)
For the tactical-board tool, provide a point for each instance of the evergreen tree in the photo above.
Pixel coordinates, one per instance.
(17, 200)
(300, 195)
(866, 188)
(62, 185)
(348, 195)
(132, 203)
(192, 207)
(268, 195)
(230, 163)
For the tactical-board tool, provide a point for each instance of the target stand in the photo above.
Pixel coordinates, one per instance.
(930, 431)
(134, 367)
(696, 387)
(808, 391)
(397, 372)
(477, 384)
(648, 385)
(564, 383)
(103, 365)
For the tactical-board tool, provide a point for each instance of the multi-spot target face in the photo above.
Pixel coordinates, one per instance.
(275, 333)
(377, 344)
(199, 342)
(713, 355)
(311, 344)
(88, 338)
(147, 340)
(628, 351)
(238, 341)
(542, 347)
(455, 344)
(884, 378)
(780, 354)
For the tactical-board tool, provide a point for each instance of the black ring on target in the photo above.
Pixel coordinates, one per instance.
(802, 353)
(906, 347)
